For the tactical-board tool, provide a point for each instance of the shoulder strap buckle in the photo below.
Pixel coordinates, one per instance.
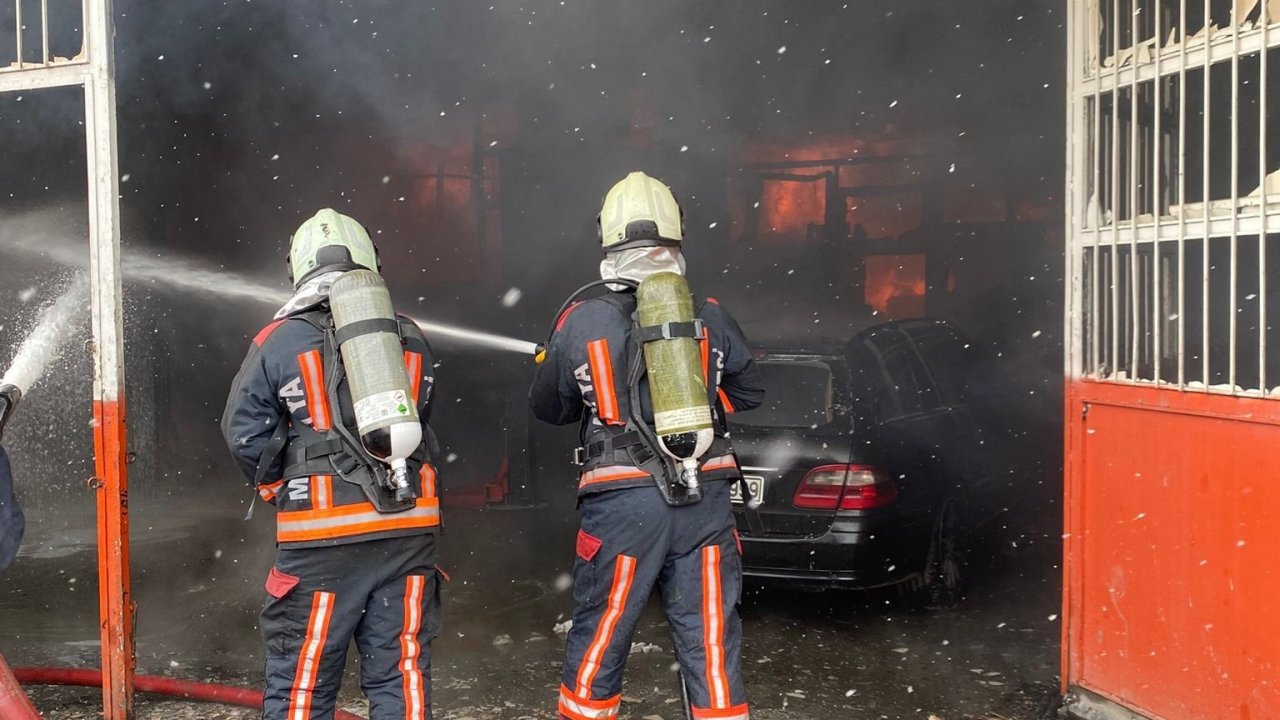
(694, 329)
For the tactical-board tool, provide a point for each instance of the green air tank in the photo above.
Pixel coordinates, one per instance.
(369, 339)
(677, 385)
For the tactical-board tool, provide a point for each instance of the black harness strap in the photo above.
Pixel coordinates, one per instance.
(669, 330)
(279, 437)
(366, 327)
(271, 452)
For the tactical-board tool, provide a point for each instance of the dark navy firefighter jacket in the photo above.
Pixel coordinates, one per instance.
(584, 378)
(12, 522)
(284, 376)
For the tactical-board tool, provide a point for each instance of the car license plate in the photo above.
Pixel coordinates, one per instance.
(754, 482)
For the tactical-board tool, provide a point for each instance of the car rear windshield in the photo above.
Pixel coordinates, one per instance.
(798, 393)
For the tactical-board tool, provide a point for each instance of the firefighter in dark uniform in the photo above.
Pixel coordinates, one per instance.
(12, 521)
(352, 561)
(631, 538)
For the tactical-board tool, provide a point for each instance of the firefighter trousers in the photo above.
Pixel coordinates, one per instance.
(630, 541)
(384, 594)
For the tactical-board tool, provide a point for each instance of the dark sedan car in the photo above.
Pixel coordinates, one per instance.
(872, 463)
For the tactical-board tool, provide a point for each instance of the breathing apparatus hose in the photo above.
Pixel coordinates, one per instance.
(182, 689)
(540, 352)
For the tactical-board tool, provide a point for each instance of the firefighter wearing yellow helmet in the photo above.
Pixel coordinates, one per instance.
(640, 211)
(327, 241)
(650, 374)
(327, 419)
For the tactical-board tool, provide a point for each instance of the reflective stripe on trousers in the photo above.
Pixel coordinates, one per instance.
(577, 708)
(384, 594)
(631, 541)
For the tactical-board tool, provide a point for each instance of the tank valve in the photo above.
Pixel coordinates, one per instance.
(689, 478)
(400, 484)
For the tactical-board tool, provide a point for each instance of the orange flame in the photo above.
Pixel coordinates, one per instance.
(789, 207)
(895, 285)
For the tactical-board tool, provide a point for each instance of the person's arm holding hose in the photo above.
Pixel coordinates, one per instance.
(12, 521)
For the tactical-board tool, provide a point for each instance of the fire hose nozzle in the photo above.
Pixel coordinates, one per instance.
(539, 353)
(10, 395)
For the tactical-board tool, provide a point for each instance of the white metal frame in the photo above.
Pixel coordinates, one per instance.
(94, 69)
(1138, 211)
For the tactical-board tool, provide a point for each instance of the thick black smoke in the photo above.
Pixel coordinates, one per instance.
(239, 119)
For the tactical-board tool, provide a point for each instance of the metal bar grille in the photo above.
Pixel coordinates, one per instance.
(1205, 141)
(1173, 205)
(1182, 192)
(1263, 319)
(21, 59)
(1221, 50)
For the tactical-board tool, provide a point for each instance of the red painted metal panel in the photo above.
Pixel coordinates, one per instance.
(115, 599)
(1172, 547)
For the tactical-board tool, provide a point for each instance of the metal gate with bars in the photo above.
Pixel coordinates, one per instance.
(1173, 359)
(32, 63)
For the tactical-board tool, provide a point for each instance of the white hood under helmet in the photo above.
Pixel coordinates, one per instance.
(637, 264)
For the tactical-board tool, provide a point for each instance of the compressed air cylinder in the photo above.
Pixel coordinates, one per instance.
(677, 386)
(386, 415)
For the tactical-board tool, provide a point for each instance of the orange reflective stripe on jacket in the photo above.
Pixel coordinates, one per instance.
(706, 359)
(720, 462)
(321, 492)
(428, 476)
(613, 473)
(610, 473)
(413, 368)
(602, 377)
(347, 520)
(268, 492)
(317, 398)
(724, 400)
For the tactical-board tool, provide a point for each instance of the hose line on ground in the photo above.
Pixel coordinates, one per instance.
(183, 689)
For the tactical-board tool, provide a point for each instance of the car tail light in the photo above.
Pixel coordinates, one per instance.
(844, 487)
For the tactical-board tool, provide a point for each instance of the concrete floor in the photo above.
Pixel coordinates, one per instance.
(198, 583)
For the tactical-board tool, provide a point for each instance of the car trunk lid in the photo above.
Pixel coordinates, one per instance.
(803, 425)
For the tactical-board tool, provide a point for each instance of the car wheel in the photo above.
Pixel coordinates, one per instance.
(940, 583)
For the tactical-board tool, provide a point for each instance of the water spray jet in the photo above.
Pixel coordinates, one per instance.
(182, 274)
(41, 346)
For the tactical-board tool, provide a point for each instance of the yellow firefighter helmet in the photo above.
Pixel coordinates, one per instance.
(330, 238)
(640, 211)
